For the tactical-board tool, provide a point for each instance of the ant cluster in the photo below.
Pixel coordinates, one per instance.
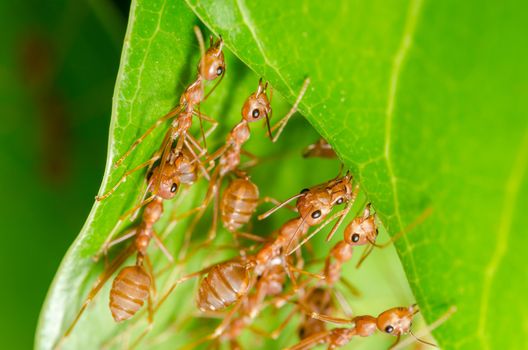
(271, 272)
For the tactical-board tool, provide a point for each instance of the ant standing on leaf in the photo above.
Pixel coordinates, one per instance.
(126, 298)
(396, 322)
(241, 197)
(210, 67)
(363, 230)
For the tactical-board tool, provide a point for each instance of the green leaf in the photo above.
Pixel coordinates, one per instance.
(426, 101)
(407, 93)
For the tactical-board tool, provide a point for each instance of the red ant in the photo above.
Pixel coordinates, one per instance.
(317, 202)
(396, 322)
(211, 66)
(241, 197)
(126, 298)
(319, 149)
(364, 230)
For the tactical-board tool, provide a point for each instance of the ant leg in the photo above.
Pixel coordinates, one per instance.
(162, 247)
(211, 192)
(104, 247)
(201, 150)
(275, 334)
(124, 178)
(344, 213)
(177, 282)
(365, 254)
(201, 125)
(282, 123)
(343, 303)
(227, 319)
(393, 345)
(253, 160)
(214, 86)
(218, 153)
(311, 341)
(101, 280)
(321, 226)
(249, 236)
(351, 288)
(216, 208)
(158, 122)
(326, 318)
(123, 238)
(307, 273)
(150, 322)
(208, 119)
(165, 151)
(150, 270)
(200, 164)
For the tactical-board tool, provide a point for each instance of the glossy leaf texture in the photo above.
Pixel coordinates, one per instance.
(422, 100)
(159, 59)
(426, 102)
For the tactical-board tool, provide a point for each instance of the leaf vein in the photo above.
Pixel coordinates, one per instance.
(248, 21)
(506, 218)
(397, 64)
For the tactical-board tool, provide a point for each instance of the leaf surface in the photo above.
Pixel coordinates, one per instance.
(408, 93)
(426, 102)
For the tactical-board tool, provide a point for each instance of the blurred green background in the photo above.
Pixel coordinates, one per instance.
(58, 66)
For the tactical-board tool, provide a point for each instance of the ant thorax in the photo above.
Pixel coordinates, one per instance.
(240, 133)
(365, 326)
(193, 95)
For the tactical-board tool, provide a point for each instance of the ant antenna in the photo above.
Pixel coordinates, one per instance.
(268, 117)
(427, 329)
(397, 236)
(421, 340)
(200, 39)
(274, 209)
(268, 124)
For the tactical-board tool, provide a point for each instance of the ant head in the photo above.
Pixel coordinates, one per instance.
(257, 105)
(166, 184)
(213, 62)
(361, 231)
(396, 321)
(365, 325)
(314, 206)
(341, 189)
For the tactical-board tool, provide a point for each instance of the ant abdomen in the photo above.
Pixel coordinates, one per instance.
(239, 202)
(129, 291)
(225, 284)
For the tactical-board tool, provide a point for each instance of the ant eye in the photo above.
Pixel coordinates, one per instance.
(316, 214)
(304, 190)
(340, 200)
(174, 188)
(255, 113)
(219, 70)
(355, 237)
(389, 329)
